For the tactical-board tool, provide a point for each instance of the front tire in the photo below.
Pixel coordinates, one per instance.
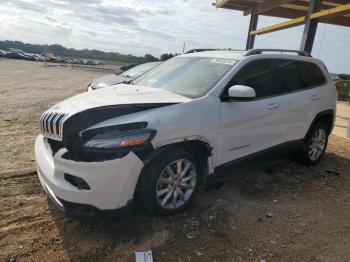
(169, 183)
(315, 145)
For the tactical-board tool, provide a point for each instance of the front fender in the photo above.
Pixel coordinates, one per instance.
(205, 150)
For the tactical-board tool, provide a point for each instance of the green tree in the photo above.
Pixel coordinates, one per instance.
(150, 58)
(165, 57)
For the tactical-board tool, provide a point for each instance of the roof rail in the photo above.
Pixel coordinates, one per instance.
(260, 51)
(212, 49)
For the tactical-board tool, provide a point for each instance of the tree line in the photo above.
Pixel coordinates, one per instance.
(62, 51)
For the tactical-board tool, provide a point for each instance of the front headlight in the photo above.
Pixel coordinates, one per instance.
(113, 140)
(119, 142)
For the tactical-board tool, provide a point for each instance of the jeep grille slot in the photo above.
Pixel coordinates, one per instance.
(51, 124)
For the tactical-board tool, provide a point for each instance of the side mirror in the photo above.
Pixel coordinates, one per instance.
(241, 93)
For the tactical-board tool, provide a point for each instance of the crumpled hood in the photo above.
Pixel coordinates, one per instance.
(67, 118)
(109, 80)
(117, 95)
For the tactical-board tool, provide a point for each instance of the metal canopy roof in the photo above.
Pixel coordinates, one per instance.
(290, 9)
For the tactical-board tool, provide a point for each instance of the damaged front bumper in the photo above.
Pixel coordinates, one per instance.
(111, 184)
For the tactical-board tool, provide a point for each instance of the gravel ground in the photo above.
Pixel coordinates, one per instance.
(279, 211)
(27, 90)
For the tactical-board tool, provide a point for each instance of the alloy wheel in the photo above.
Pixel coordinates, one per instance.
(318, 144)
(176, 184)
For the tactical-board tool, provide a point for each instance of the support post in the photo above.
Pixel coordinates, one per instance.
(310, 28)
(252, 27)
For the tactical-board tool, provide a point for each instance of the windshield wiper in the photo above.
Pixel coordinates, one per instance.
(128, 82)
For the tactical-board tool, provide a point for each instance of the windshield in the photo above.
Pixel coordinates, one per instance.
(139, 70)
(192, 77)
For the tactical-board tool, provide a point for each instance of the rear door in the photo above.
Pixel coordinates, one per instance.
(306, 85)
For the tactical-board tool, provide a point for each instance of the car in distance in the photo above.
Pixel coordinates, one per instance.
(123, 77)
(18, 55)
(158, 140)
(2, 53)
(36, 57)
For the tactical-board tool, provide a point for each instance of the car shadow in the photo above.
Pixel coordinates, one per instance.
(94, 238)
(265, 177)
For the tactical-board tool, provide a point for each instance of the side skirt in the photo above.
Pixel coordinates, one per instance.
(270, 154)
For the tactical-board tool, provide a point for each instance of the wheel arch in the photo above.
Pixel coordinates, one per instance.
(327, 117)
(199, 147)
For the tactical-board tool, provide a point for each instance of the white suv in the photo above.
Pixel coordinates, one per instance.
(159, 138)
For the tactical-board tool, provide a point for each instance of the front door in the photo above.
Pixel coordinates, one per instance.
(247, 127)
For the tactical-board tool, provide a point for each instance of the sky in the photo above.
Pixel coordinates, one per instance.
(147, 26)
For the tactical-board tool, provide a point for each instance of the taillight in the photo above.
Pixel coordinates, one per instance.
(337, 86)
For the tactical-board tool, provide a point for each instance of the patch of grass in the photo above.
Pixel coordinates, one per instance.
(344, 86)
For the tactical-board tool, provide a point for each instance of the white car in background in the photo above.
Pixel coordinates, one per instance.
(124, 77)
(157, 141)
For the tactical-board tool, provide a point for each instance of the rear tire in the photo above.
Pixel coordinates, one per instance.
(314, 145)
(169, 183)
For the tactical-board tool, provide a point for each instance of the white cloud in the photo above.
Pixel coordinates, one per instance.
(149, 26)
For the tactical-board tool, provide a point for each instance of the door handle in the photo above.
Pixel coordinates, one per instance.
(272, 106)
(314, 98)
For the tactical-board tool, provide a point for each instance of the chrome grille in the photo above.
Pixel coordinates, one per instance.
(51, 124)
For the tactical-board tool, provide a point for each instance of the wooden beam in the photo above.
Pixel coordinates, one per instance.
(280, 26)
(323, 3)
(266, 6)
(295, 7)
(285, 13)
(221, 3)
(330, 4)
(305, 8)
(342, 20)
(333, 11)
(300, 20)
(236, 4)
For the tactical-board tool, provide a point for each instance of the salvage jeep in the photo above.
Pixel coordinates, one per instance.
(158, 139)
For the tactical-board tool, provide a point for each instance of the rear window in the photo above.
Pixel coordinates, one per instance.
(270, 77)
(311, 74)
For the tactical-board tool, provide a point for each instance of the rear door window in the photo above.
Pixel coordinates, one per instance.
(271, 77)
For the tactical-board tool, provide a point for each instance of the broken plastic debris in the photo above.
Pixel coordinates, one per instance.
(143, 256)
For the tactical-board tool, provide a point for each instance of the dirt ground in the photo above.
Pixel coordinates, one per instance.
(273, 211)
